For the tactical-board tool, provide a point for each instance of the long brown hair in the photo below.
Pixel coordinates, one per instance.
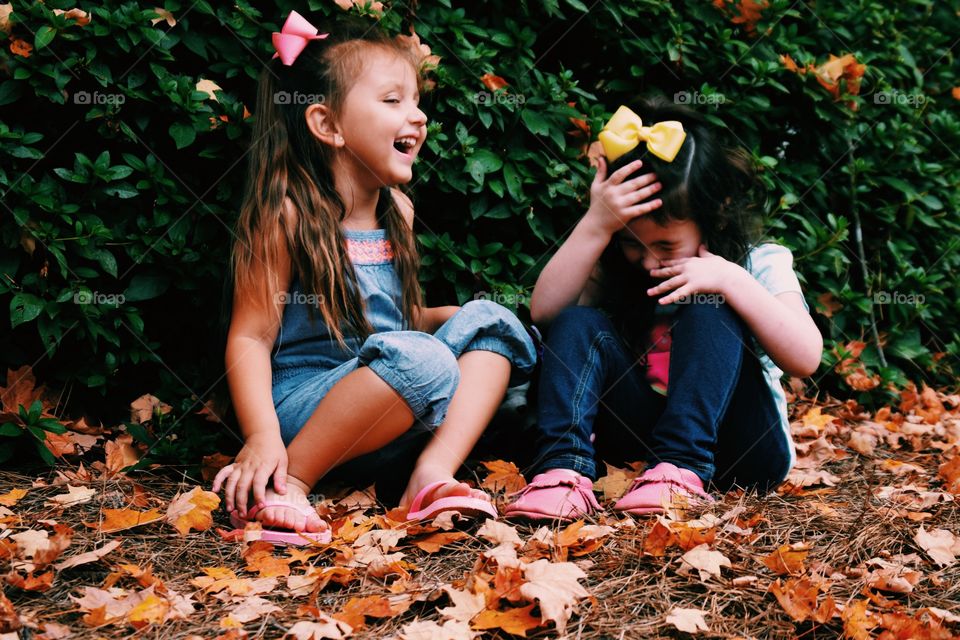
(286, 160)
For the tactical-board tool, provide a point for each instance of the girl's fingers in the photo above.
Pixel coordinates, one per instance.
(640, 181)
(601, 173)
(642, 208)
(679, 294)
(230, 490)
(260, 479)
(221, 475)
(639, 195)
(280, 477)
(667, 285)
(621, 174)
(243, 492)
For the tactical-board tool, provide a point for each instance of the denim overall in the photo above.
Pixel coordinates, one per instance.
(306, 362)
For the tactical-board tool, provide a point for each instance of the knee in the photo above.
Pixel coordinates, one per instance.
(709, 311)
(421, 368)
(577, 321)
(490, 314)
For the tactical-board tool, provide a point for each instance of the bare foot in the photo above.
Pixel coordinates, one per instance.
(423, 476)
(281, 517)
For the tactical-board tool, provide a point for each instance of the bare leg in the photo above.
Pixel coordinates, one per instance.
(341, 428)
(483, 382)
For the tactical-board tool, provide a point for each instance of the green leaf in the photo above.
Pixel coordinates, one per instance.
(44, 36)
(535, 122)
(183, 134)
(24, 307)
(145, 287)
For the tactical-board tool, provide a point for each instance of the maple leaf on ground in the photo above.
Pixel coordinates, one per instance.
(325, 627)
(10, 498)
(949, 472)
(788, 559)
(74, 495)
(433, 542)
(143, 408)
(430, 630)
(122, 519)
(89, 556)
(705, 560)
(555, 587)
(941, 545)
(516, 621)
(798, 597)
(688, 620)
(503, 477)
(192, 510)
(616, 482)
(249, 609)
(466, 605)
(355, 612)
(892, 577)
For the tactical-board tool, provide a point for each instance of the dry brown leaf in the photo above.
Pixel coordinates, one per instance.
(465, 604)
(430, 630)
(503, 477)
(10, 498)
(324, 627)
(941, 545)
(89, 556)
(192, 510)
(615, 483)
(433, 542)
(122, 519)
(788, 559)
(143, 408)
(688, 620)
(705, 560)
(516, 621)
(556, 588)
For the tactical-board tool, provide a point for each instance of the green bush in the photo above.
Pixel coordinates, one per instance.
(121, 180)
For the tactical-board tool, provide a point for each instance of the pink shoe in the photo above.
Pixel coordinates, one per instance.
(656, 487)
(280, 536)
(558, 494)
(466, 506)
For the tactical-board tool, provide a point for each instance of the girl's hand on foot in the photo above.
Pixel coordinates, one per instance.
(261, 457)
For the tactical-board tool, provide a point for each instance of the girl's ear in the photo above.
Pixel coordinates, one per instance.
(322, 125)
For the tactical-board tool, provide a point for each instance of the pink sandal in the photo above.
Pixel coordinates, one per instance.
(466, 506)
(280, 536)
(558, 494)
(654, 489)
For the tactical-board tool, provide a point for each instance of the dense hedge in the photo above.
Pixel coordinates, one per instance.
(121, 176)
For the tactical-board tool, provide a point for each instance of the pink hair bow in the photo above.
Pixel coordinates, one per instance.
(293, 38)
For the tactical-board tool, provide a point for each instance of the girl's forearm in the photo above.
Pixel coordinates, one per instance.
(789, 337)
(566, 274)
(429, 319)
(250, 381)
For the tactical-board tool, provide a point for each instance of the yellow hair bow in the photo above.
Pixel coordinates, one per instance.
(625, 130)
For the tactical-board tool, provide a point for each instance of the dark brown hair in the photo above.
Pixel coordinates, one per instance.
(710, 185)
(287, 161)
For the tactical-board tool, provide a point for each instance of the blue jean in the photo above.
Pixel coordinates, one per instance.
(421, 367)
(718, 418)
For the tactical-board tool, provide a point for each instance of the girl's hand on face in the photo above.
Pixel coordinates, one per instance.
(258, 459)
(615, 201)
(703, 273)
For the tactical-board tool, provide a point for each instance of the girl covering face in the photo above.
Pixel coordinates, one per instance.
(670, 325)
